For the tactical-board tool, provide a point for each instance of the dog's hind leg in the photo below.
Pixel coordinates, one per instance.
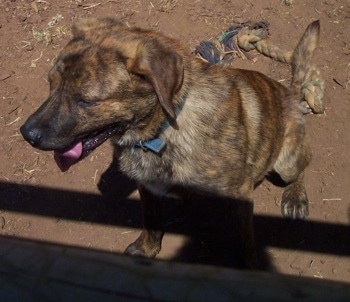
(290, 165)
(148, 244)
(295, 154)
(295, 203)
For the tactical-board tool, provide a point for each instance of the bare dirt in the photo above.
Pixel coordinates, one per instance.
(93, 206)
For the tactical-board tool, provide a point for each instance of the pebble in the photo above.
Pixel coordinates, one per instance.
(22, 18)
(29, 48)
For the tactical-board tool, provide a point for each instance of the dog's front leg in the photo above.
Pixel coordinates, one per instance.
(149, 242)
(241, 216)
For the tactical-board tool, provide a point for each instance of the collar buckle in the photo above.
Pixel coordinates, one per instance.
(156, 145)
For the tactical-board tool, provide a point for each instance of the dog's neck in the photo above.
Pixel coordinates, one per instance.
(157, 144)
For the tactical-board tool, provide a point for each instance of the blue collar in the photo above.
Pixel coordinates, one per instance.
(157, 144)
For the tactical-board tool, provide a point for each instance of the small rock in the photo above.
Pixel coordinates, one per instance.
(22, 17)
(29, 48)
(346, 50)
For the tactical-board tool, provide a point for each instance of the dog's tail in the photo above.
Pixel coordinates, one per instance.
(302, 56)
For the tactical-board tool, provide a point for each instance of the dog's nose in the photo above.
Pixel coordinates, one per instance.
(31, 134)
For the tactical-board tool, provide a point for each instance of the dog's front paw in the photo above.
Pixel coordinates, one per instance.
(142, 249)
(132, 250)
(294, 204)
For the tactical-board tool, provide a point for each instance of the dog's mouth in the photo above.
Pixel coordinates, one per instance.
(82, 147)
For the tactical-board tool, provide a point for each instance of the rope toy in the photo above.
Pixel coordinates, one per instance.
(242, 38)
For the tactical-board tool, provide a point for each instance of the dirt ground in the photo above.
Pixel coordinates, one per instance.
(93, 206)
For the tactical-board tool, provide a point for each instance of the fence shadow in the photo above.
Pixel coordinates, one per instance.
(200, 220)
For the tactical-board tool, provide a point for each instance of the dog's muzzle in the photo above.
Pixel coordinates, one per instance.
(78, 148)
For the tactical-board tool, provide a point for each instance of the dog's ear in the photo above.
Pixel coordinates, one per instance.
(90, 27)
(162, 67)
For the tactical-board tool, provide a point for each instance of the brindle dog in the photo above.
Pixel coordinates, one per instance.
(180, 124)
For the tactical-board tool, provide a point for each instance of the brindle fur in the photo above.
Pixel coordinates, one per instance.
(232, 127)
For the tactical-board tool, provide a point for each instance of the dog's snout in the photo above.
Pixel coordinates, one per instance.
(31, 134)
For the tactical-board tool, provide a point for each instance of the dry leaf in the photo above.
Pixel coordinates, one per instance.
(35, 6)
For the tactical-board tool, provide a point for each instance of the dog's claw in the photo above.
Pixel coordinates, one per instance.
(296, 211)
(305, 108)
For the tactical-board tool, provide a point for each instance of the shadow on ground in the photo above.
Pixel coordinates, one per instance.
(200, 220)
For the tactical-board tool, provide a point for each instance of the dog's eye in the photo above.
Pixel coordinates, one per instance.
(86, 103)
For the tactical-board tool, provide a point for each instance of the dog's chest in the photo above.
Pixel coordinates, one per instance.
(148, 167)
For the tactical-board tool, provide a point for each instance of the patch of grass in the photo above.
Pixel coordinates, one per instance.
(47, 35)
(43, 36)
(167, 6)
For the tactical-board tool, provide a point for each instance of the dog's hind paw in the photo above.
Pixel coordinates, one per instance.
(295, 211)
(295, 204)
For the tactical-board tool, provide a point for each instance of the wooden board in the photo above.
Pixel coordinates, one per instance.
(34, 271)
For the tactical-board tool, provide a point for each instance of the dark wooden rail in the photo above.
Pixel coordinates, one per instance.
(34, 271)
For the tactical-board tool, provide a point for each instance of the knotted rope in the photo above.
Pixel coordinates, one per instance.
(242, 38)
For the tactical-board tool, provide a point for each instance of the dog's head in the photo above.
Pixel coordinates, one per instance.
(108, 79)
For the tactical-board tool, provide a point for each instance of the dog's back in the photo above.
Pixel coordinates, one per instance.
(236, 120)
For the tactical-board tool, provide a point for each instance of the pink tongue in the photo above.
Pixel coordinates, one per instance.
(66, 159)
